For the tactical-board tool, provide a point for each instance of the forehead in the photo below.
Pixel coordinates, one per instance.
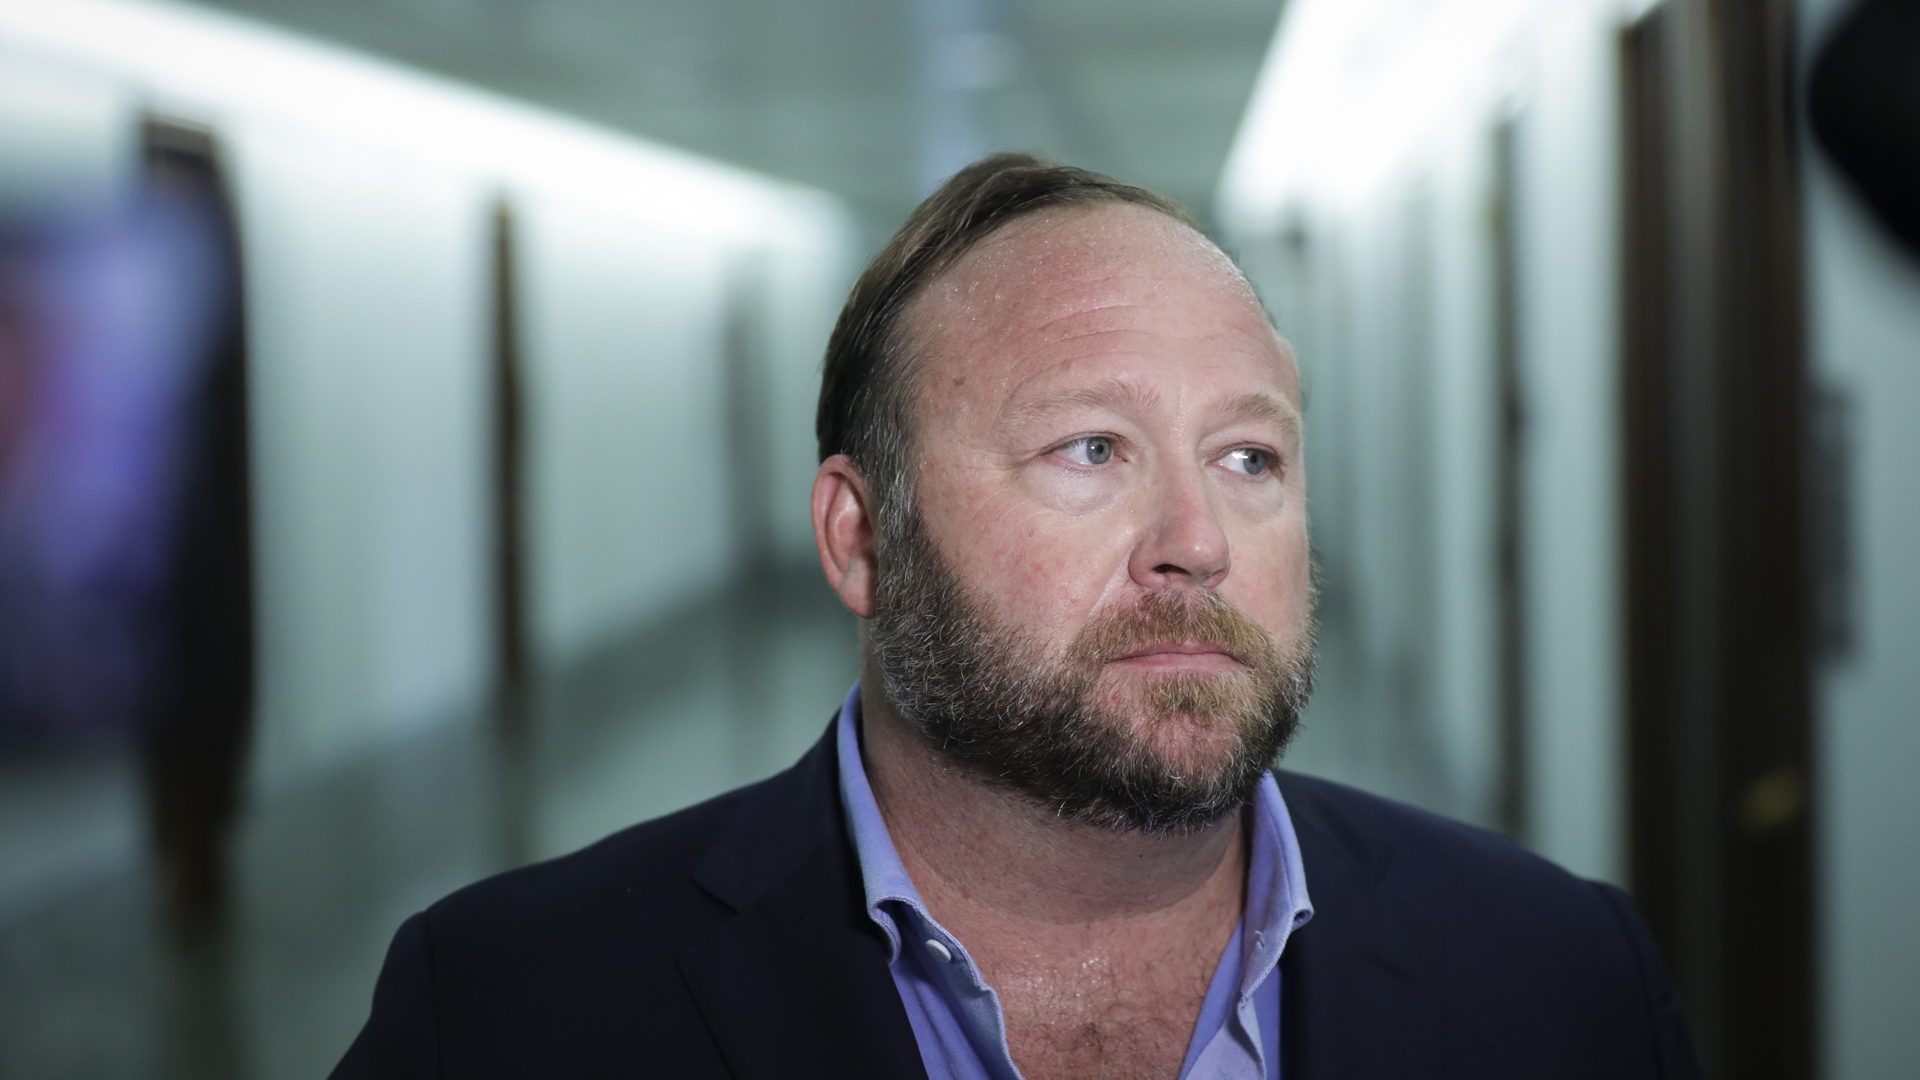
(1081, 281)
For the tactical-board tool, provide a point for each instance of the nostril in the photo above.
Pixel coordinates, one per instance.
(1166, 568)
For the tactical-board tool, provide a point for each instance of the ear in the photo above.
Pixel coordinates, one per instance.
(843, 531)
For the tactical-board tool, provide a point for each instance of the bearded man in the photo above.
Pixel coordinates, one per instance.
(1062, 488)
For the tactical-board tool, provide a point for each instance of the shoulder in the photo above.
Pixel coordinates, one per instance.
(640, 865)
(1528, 963)
(543, 970)
(701, 862)
(1402, 846)
(569, 965)
(573, 943)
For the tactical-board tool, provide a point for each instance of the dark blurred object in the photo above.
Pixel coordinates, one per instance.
(1720, 598)
(125, 551)
(195, 746)
(1864, 104)
(106, 326)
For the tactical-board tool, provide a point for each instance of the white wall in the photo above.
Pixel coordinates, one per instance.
(1466, 444)
(366, 326)
(1569, 315)
(364, 193)
(1864, 333)
(627, 421)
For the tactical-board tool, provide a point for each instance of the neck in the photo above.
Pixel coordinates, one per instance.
(1007, 854)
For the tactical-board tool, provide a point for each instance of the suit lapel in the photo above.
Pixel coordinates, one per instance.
(1360, 984)
(796, 983)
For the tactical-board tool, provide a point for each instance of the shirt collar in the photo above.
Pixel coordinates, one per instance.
(1277, 901)
(881, 873)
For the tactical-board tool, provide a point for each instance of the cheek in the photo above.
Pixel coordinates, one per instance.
(1271, 579)
(1040, 569)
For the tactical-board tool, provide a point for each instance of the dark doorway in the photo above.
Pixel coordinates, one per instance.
(513, 666)
(195, 747)
(1510, 484)
(512, 655)
(1718, 595)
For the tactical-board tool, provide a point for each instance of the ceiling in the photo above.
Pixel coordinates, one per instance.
(870, 99)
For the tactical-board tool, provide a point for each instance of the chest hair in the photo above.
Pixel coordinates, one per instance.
(1127, 1015)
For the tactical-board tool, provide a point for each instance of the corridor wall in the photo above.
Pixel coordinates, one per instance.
(1864, 323)
(365, 194)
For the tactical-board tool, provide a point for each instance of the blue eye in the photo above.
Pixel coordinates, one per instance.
(1250, 461)
(1090, 450)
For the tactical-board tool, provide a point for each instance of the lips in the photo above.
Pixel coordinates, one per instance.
(1174, 630)
(1172, 649)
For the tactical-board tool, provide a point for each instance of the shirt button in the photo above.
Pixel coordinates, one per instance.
(939, 951)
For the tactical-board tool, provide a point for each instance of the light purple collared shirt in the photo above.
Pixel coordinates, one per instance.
(956, 1016)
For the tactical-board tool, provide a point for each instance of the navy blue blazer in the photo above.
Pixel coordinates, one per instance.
(731, 940)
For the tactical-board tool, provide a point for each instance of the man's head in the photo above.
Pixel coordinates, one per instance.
(1061, 482)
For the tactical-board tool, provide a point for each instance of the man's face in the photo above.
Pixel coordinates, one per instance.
(1106, 597)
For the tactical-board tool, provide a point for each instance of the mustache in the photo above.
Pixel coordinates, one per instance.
(1201, 617)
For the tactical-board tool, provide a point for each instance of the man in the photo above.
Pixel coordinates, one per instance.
(1062, 488)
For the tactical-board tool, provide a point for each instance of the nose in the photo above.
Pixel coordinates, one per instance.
(1183, 542)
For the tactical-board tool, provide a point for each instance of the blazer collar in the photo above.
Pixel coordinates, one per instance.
(1358, 983)
(796, 982)
(779, 824)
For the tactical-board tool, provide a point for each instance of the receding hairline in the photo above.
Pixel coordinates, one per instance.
(907, 330)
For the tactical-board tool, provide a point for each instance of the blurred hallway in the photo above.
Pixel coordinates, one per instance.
(722, 693)
(520, 325)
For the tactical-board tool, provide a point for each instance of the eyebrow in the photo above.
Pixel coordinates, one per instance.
(1277, 411)
(1119, 395)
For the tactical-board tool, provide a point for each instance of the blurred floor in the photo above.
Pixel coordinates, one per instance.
(721, 694)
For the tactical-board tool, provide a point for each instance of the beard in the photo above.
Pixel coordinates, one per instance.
(1162, 753)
